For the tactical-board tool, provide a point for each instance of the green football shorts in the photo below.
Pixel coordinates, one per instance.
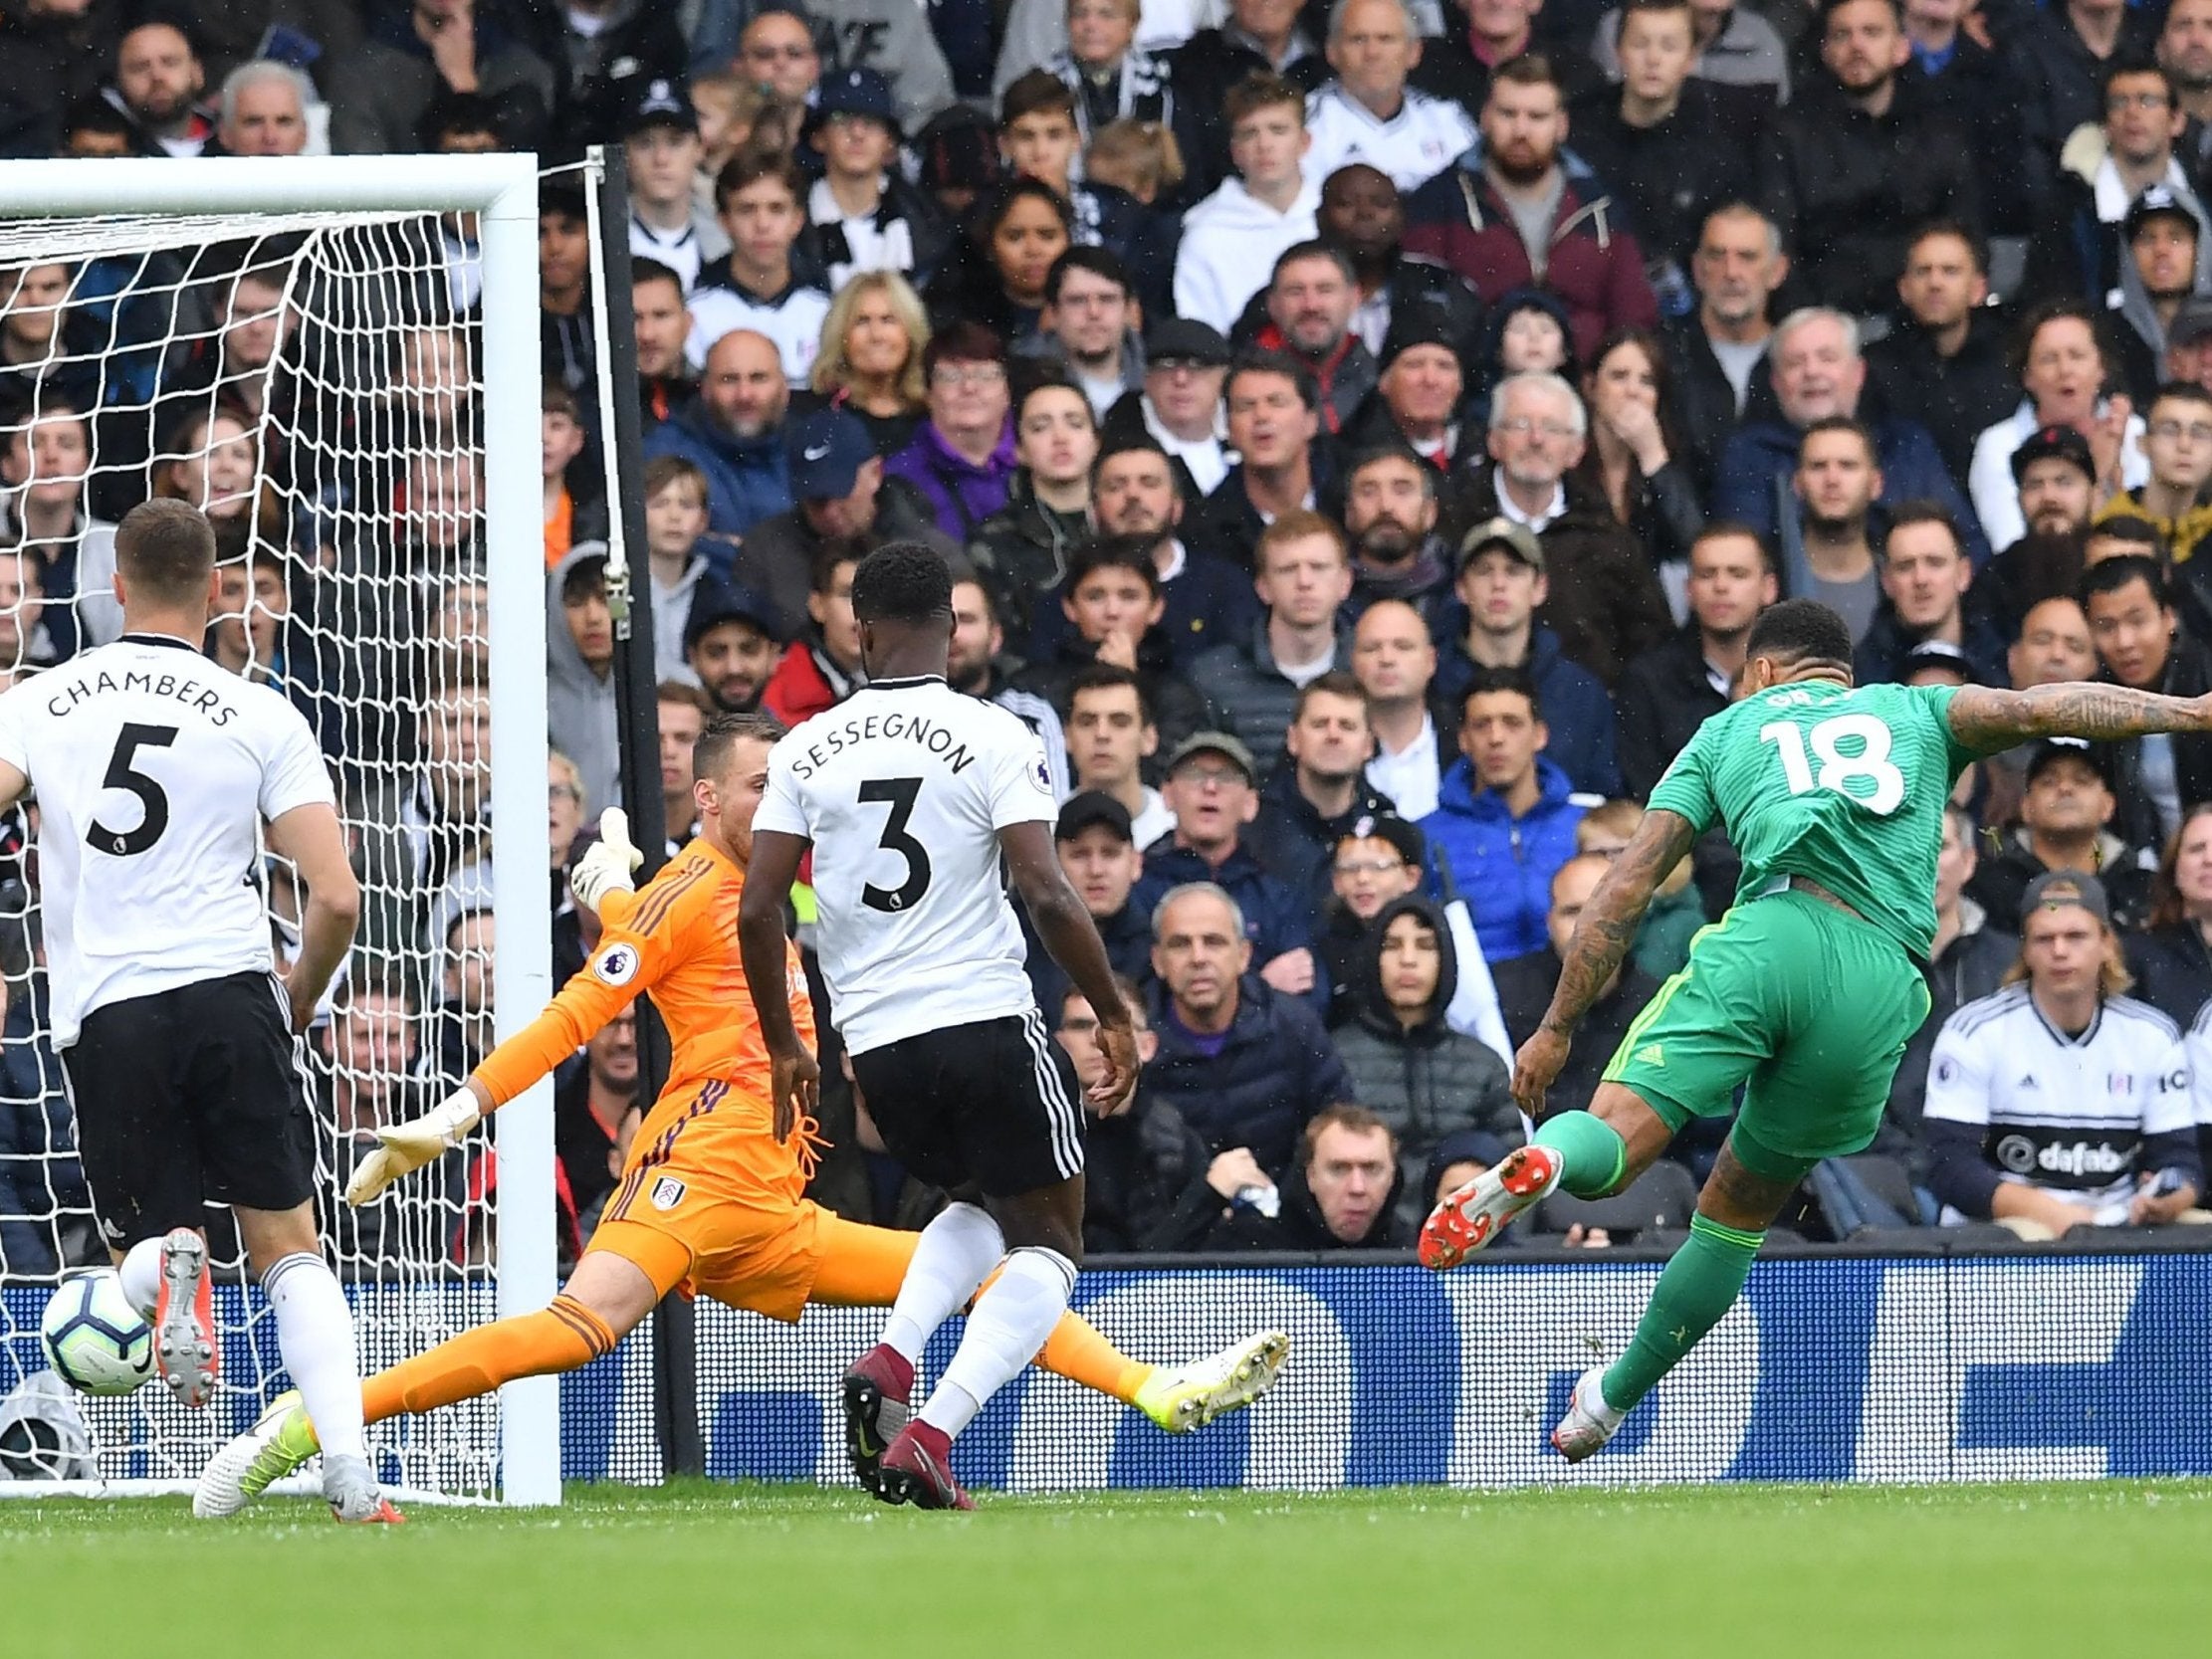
(1806, 1007)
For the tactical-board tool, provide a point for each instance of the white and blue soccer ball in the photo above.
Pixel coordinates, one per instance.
(94, 1338)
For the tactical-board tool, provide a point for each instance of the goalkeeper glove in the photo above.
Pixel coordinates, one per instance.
(409, 1145)
(606, 866)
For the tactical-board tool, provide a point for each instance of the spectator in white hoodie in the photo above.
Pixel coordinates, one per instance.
(1231, 241)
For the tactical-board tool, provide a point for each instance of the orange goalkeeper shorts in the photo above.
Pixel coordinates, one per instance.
(712, 1205)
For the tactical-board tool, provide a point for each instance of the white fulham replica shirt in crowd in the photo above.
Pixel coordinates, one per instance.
(903, 789)
(1424, 138)
(2065, 1113)
(154, 769)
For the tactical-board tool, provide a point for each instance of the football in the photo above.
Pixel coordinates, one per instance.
(94, 1339)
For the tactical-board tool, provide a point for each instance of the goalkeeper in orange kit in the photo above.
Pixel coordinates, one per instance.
(710, 1199)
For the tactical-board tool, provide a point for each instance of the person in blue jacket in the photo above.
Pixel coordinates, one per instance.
(1505, 817)
(733, 430)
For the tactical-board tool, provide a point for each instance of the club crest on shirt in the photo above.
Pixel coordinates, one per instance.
(616, 965)
(668, 1192)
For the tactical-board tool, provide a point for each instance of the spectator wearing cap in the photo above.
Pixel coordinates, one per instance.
(1390, 517)
(2055, 480)
(1098, 853)
(1089, 328)
(1818, 375)
(1942, 363)
(1506, 815)
(863, 214)
(1674, 146)
(766, 282)
(1302, 573)
(1367, 113)
(1420, 394)
(1179, 405)
(2067, 380)
(731, 640)
(1675, 686)
(2065, 815)
(2077, 248)
(1470, 217)
(1319, 789)
(1212, 789)
(2163, 266)
(1407, 1064)
(1864, 160)
(2133, 618)
(893, 37)
(2189, 343)
(1274, 418)
(1111, 738)
(733, 430)
(1245, 1064)
(2059, 1101)
(381, 90)
(1501, 587)
(660, 146)
(1309, 305)
(840, 490)
(963, 459)
(2177, 442)
(1361, 213)
(1925, 577)
(1603, 597)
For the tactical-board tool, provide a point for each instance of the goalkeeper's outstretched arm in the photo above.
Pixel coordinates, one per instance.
(1988, 720)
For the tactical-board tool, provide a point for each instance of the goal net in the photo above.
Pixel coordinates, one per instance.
(337, 360)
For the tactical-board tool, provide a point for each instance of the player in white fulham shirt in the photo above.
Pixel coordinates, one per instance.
(2059, 1103)
(909, 794)
(154, 771)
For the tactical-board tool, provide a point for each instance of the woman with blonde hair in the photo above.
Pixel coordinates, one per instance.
(871, 357)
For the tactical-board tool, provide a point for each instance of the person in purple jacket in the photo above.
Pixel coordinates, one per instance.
(963, 458)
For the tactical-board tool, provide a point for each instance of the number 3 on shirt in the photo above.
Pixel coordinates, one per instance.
(1871, 764)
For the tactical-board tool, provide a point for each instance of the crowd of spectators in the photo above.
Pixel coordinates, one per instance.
(1363, 434)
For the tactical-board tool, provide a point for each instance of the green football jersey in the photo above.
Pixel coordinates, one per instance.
(1843, 785)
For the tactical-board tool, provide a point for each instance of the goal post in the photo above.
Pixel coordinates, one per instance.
(370, 252)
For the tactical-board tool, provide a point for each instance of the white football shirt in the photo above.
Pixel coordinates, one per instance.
(153, 769)
(903, 789)
(2064, 1112)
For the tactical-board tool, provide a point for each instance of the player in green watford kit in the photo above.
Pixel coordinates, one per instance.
(1805, 993)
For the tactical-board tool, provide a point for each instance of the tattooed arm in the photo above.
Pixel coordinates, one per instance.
(1600, 942)
(1987, 720)
(1614, 914)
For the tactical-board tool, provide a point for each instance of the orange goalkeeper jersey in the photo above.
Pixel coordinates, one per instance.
(678, 938)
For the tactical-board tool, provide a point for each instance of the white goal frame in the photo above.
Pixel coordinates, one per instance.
(502, 190)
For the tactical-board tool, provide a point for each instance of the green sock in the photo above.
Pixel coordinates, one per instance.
(1593, 1156)
(1700, 1284)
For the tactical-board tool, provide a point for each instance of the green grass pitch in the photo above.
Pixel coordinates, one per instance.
(794, 1572)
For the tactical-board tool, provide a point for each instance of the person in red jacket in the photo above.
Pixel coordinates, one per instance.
(821, 668)
(1517, 211)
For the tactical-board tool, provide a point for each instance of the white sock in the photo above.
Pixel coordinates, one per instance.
(141, 1273)
(1003, 1334)
(315, 1333)
(954, 1255)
